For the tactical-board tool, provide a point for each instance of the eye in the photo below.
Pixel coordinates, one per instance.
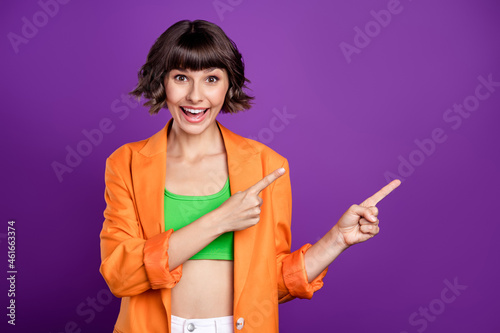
(180, 77)
(212, 79)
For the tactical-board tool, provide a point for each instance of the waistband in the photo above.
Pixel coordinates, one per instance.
(204, 322)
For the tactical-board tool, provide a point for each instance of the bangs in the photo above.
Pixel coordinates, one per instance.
(195, 51)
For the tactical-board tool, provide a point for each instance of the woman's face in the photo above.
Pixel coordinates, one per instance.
(195, 98)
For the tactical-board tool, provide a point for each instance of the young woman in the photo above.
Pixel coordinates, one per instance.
(196, 236)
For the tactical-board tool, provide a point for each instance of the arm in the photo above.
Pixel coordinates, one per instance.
(323, 253)
(189, 240)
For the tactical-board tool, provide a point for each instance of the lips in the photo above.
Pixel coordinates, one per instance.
(194, 115)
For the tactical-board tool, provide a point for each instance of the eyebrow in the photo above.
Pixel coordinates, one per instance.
(205, 70)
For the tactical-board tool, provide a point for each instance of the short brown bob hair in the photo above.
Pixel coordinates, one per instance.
(193, 45)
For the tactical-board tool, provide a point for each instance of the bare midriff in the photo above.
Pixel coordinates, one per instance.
(205, 290)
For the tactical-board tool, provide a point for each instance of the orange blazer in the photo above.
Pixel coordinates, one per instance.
(134, 241)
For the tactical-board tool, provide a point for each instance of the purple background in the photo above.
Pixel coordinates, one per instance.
(353, 122)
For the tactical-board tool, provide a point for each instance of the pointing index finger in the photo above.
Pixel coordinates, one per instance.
(382, 193)
(267, 180)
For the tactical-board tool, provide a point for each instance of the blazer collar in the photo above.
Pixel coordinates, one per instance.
(148, 174)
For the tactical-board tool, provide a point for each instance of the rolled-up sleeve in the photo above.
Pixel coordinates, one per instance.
(156, 262)
(295, 275)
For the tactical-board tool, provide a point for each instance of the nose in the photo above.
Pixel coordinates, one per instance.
(195, 93)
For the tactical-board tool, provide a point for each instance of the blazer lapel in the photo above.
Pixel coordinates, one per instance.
(148, 174)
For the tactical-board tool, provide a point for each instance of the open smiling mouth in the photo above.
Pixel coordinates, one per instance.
(190, 112)
(194, 115)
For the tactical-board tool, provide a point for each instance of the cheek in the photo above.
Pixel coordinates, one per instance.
(219, 95)
(171, 94)
(174, 93)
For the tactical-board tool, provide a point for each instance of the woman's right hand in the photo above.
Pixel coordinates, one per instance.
(242, 209)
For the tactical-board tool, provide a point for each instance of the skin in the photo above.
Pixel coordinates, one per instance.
(197, 165)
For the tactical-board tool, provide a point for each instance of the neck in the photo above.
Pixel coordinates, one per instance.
(192, 146)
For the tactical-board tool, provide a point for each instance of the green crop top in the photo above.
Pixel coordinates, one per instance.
(180, 210)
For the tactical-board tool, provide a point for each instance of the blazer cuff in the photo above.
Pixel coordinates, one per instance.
(156, 262)
(295, 275)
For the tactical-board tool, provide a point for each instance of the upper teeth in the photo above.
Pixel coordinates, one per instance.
(194, 111)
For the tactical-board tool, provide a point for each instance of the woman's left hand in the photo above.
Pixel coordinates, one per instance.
(360, 223)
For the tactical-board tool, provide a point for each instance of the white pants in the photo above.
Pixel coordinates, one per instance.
(206, 325)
